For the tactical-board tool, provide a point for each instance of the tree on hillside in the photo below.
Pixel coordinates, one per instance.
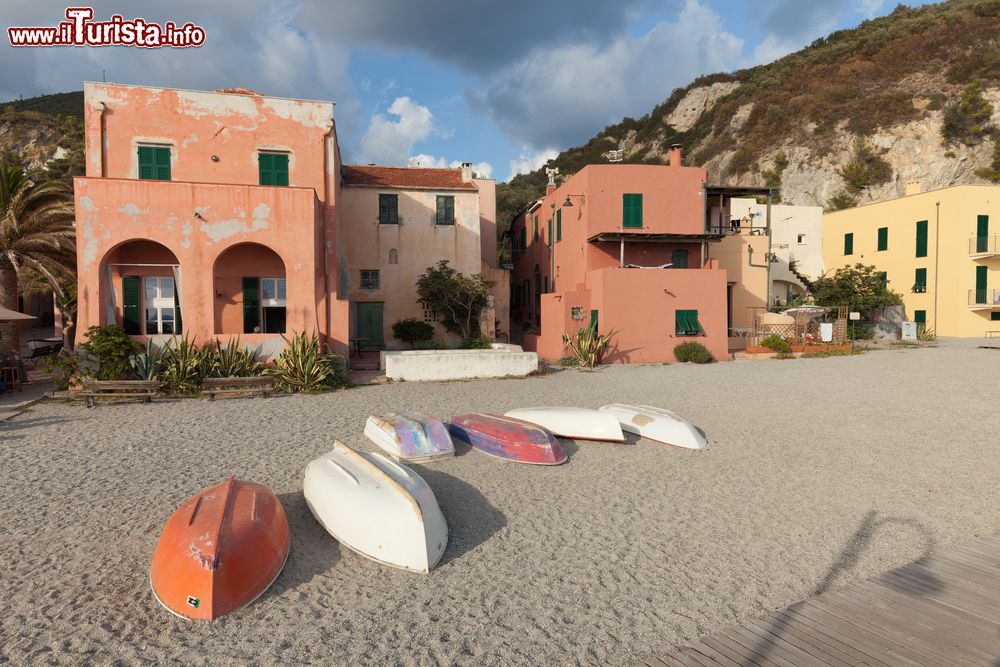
(36, 232)
(457, 299)
(860, 288)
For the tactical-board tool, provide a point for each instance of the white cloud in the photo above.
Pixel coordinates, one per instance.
(528, 161)
(480, 169)
(871, 7)
(390, 141)
(560, 96)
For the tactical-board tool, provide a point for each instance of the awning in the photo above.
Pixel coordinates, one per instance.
(7, 315)
(644, 237)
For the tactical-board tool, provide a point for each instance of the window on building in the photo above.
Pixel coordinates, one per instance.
(594, 320)
(920, 317)
(921, 238)
(550, 238)
(632, 211)
(272, 305)
(369, 279)
(388, 209)
(393, 256)
(801, 239)
(559, 225)
(920, 280)
(849, 244)
(679, 259)
(430, 315)
(982, 233)
(995, 316)
(534, 232)
(154, 163)
(576, 313)
(883, 278)
(883, 238)
(445, 210)
(686, 323)
(159, 303)
(524, 236)
(273, 168)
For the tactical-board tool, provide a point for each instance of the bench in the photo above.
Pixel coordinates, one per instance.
(144, 389)
(262, 385)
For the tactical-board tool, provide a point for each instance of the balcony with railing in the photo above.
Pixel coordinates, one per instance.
(984, 247)
(984, 299)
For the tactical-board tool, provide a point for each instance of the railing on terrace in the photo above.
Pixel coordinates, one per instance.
(984, 297)
(805, 328)
(733, 229)
(984, 245)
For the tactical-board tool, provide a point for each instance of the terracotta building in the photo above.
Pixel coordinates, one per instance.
(230, 213)
(624, 247)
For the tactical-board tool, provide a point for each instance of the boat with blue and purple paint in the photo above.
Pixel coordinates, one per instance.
(410, 436)
(507, 438)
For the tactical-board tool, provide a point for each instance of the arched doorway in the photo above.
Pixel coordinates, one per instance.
(140, 289)
(250, 290)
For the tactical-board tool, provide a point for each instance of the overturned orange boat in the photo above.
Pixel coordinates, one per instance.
(220, 550)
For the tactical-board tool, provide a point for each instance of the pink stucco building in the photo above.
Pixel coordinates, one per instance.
(625, 247)
(230, 213)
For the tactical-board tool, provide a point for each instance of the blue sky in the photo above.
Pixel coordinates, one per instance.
(436, 82)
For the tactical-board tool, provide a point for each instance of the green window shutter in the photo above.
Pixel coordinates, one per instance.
(883, 238)
(130, 305)
(524, 237)
(550, 231)
(559, 225)
(632, 211)
(686, 323)
(445, 210)
(920, 316)
(162, 158)
(679, 259)
(272, 168)
(849, 244)
(883, 278)
(147, 167)
(251, 304)
(920, 280)
(921, 238)
(981, 274)
(388, 209)
(982, 233)
(594, 320)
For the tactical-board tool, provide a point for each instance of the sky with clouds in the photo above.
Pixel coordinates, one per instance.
(439, 82)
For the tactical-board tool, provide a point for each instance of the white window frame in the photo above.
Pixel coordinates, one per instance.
(801, 239)
(159, 303)
(275, 302)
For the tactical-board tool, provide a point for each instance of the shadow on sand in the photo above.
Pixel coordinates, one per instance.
(314, 552)
(471, 518)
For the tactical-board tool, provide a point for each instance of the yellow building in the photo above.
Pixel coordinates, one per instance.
(938, 249)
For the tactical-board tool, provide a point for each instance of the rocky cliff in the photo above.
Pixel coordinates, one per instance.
(854, 117)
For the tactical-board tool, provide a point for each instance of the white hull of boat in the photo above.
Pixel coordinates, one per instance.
(376, 507)
(657, 424)
(580, 423)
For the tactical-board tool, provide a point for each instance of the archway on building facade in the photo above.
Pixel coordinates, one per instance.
(141, 289)
(250, 290)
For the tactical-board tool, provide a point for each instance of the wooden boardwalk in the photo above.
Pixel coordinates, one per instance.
(941, 610)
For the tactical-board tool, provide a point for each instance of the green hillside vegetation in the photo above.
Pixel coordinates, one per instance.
(887, 71)
(20, 128)
(57, 104)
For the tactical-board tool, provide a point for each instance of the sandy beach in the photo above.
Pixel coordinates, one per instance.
(818, 472)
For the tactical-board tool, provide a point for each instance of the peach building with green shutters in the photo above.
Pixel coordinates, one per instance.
(219, 214)
(939, 249)
(624, 248)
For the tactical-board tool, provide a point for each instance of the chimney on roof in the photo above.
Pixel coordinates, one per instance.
(466, 172)
(675, 155)
(913, 188)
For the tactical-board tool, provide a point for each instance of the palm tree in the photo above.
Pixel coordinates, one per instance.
(36, 231)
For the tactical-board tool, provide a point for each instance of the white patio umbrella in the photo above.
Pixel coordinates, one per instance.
(7, 315)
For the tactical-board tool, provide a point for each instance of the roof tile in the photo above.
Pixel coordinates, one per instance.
(405, 177)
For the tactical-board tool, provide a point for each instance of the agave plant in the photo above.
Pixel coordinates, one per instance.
(588, 346)
(306, 364)
(145, 365)
(233, 360)
(184, 365)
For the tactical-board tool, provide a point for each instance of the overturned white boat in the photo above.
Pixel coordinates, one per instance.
(376, 507)
(657, 424)
(568, 422)
(410, 436)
